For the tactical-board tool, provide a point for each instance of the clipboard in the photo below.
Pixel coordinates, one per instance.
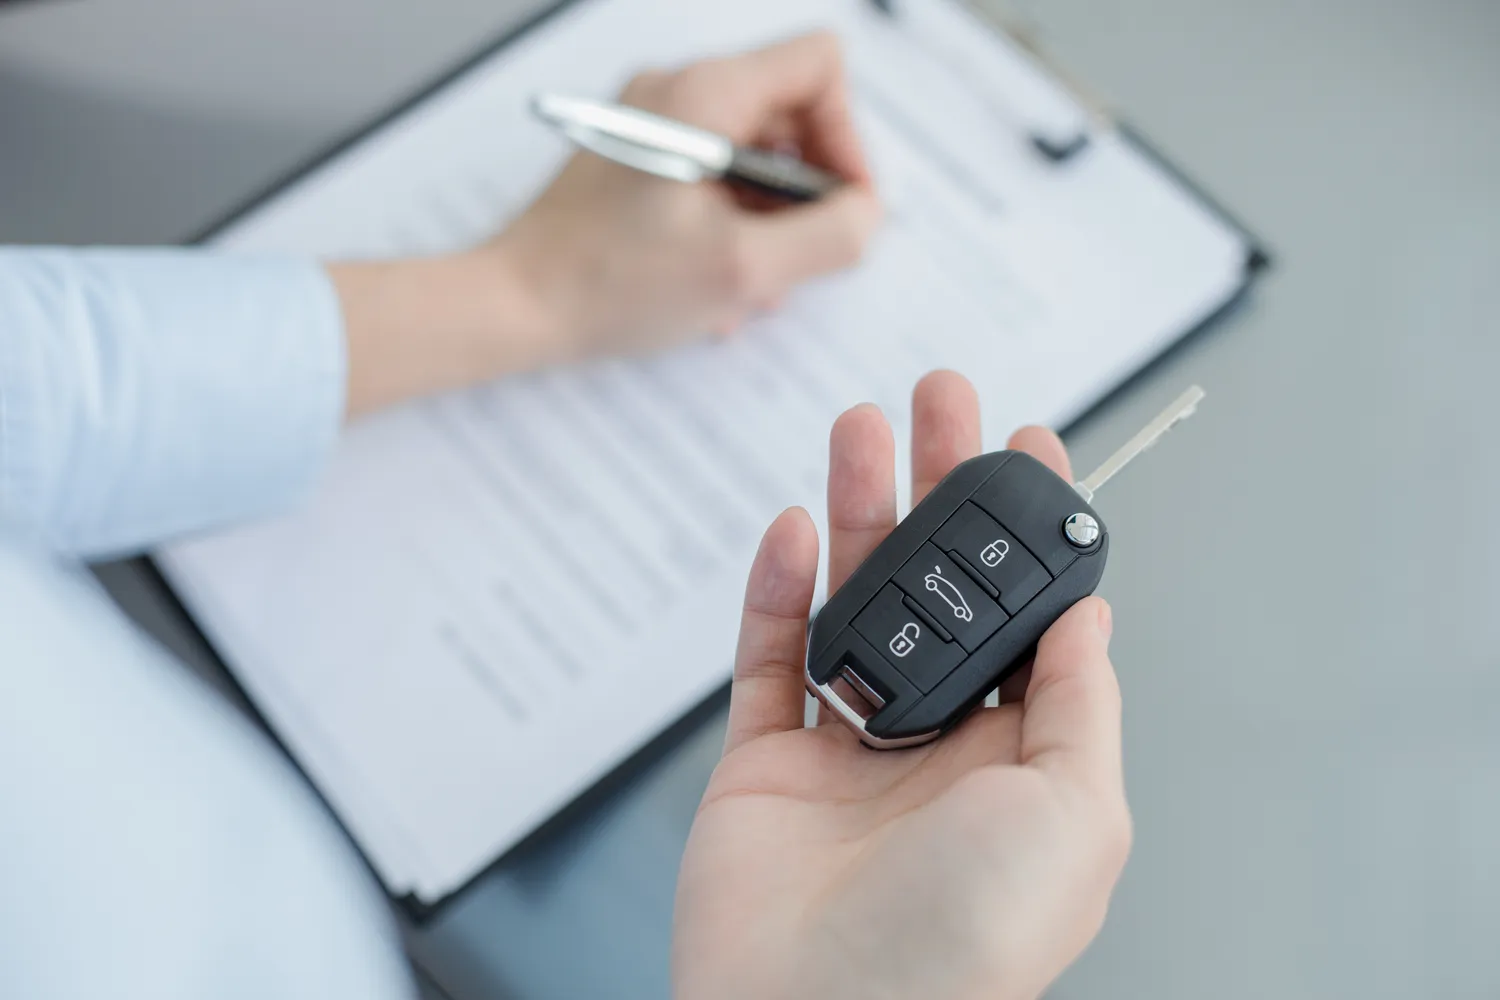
(1058, 152)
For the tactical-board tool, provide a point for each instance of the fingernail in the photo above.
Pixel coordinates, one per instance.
(1106, 619)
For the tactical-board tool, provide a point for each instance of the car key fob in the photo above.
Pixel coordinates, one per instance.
(954, 600)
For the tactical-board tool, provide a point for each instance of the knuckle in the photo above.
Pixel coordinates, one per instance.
(644, 87)
(769, 668)
(694, 91)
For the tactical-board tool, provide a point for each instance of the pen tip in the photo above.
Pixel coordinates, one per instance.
(543, 106)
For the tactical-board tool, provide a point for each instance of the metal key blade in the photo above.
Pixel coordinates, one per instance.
(1182, 408)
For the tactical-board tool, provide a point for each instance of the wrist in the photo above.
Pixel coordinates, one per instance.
(545, 269)
(528, 323)
(423, 325)
(496, 320)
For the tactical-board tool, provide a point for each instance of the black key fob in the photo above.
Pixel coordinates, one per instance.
(954, 600)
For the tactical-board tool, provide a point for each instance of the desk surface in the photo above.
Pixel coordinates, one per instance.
(1303, 584)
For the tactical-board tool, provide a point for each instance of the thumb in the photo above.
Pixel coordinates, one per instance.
(1070, 723)
(782, 248)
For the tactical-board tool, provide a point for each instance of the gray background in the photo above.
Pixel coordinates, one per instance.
(1304, 577)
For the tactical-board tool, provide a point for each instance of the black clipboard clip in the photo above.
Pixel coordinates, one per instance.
(1062, 146)
(1055, 144)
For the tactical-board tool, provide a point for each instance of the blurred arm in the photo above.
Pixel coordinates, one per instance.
(148, 393)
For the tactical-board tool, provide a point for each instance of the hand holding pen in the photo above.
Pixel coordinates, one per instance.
(675, 259)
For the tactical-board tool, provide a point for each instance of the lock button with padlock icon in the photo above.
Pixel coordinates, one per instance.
(904, 641)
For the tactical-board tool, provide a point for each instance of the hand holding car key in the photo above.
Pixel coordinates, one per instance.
(955, 599)
(977, 865)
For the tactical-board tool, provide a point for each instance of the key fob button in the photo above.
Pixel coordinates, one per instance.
(908, 643)
(995, 554)
(948, 594)
(1030, 500)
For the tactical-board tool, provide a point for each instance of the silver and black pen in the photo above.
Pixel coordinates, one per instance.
(678, 151)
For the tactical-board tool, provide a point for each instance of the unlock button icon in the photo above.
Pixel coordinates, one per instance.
(904, 641)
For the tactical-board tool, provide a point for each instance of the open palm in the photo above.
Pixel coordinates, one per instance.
(976, 866)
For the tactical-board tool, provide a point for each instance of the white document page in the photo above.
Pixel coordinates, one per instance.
(498, 595)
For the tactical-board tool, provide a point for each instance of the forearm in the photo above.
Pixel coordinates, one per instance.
(424, 325)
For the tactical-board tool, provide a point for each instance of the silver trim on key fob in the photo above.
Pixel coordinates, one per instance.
(831, 700)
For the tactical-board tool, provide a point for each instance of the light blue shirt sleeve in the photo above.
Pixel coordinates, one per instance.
(152, 842)
(149, 393)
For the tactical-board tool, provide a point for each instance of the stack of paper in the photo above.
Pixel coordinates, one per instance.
(497, 596)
